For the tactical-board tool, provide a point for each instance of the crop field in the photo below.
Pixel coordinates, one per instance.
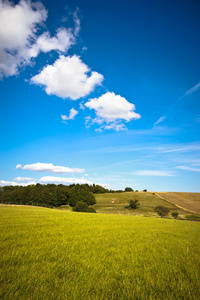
(116, 202)
(55, 254)
(188, 201)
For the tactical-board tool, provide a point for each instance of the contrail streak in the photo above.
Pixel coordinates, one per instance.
(189, 92)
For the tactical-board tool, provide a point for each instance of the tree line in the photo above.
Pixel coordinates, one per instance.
(50, 195)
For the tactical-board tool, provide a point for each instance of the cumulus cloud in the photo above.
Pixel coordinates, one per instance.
(68, 77)
(49, 167)
(111, 110)
(64, 180)
(152, 173)
(72, 114)
(18, 25)
(45, 43)
(19, 41)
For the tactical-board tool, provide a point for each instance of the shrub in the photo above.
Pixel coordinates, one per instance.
(83, 207)
(134, 204)
(175, 215)
(162, 211)
(192, 217)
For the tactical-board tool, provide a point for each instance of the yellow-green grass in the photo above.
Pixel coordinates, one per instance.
(188, 201)
(116, 203)
(55, 254)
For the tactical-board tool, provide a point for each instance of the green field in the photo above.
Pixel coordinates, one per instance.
(55, 254)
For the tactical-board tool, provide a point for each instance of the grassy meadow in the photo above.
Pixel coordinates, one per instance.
(57, 254)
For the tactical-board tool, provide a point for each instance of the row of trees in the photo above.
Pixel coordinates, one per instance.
(49, 195)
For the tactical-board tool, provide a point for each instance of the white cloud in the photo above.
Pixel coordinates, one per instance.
(49, 167)
(24, 179)
(19, 41)
(13, 183)
(191, 91)
(160, 120)
(112, 109)
(68, 78)
(18, 25)
(72, 115)
(64, 180)
(61, 42)
(186, 168)
(152, 173)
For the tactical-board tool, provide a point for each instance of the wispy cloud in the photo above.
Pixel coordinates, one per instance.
(152, 173)
(183, 148)
(187, 168)
(187, 93)
(191, 91)
(160, 120)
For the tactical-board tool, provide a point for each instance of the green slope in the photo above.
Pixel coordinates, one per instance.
(116, 202)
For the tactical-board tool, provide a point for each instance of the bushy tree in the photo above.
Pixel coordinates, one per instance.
(83, 207)
(98, 189)
(162, 211)
(175, 215)
(81, 193)
(128, 189)
(134, 204)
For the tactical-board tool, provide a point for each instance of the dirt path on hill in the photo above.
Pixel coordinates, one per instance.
(187, 201)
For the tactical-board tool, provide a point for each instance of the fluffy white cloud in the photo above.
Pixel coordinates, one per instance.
(112, 109)
(18, 24)
(19, 41)
(64, 180)
(72, 114)
(68, 78)
(152, 173)
(61, 42)
(49, 167)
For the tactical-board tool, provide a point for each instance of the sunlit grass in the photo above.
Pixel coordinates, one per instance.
(53, 254)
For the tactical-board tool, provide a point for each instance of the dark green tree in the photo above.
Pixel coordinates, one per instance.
(134, 204)
(175, 215)
(162, 211)
(128, 189)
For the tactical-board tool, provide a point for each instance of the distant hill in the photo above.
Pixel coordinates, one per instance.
(188, 201)
(116, 203)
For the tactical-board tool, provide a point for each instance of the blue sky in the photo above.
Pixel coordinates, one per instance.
(100, 92)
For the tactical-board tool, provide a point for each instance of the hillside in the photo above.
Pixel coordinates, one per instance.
(188, 201)
(116, 202)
